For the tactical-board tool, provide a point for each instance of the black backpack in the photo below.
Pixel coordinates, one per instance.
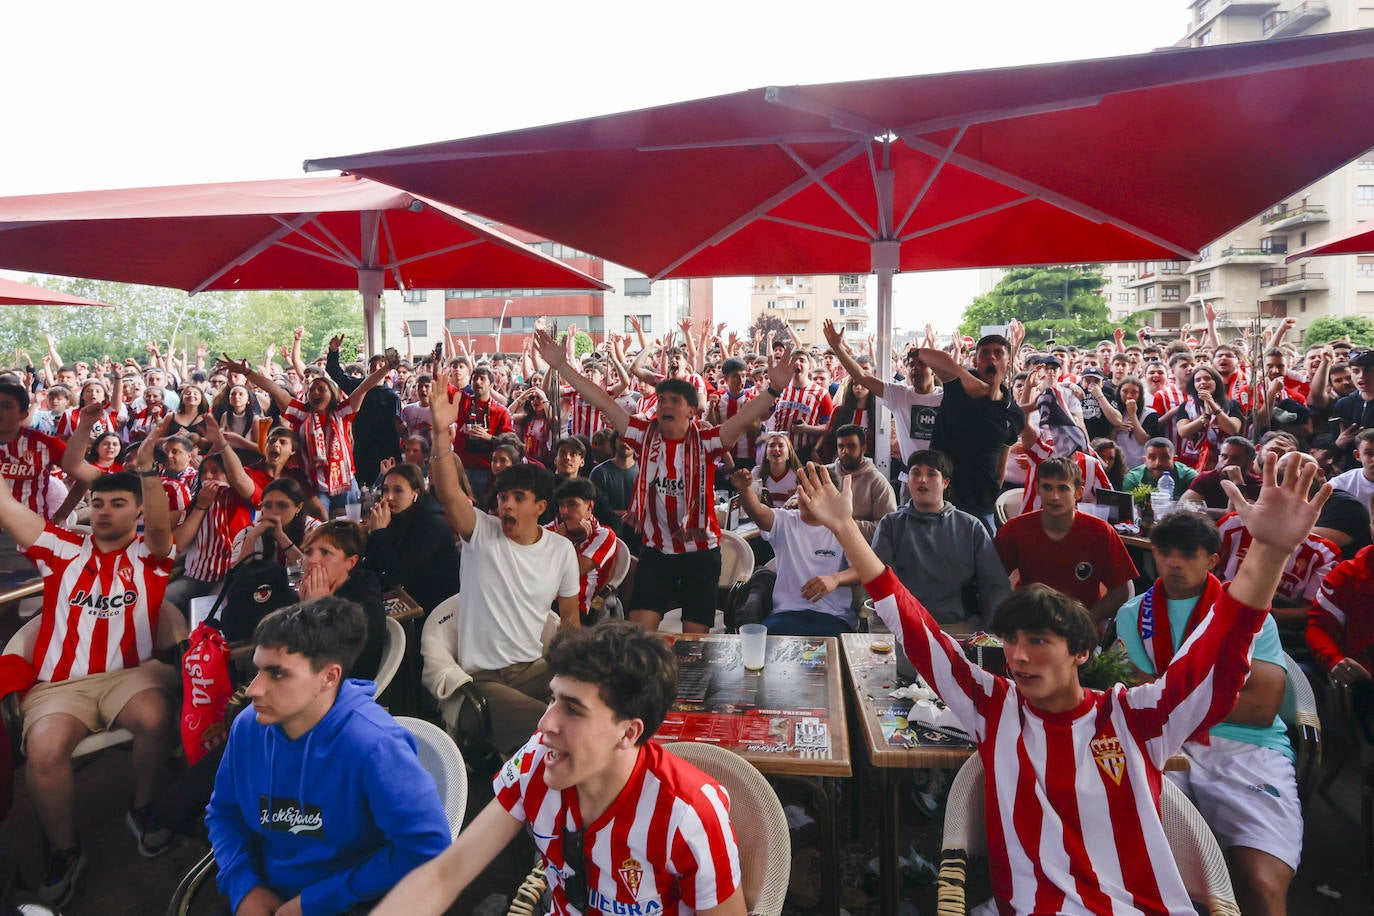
(253, 588)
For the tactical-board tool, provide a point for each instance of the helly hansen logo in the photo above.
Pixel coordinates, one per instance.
(289, 815)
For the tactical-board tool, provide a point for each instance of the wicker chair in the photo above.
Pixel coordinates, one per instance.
(1200, 860)
(438, 755)
(765, 844)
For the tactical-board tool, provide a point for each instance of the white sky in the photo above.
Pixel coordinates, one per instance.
(145, 92)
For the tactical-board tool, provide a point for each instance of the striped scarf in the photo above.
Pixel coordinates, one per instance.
(693, 461)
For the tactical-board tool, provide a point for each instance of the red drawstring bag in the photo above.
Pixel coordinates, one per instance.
(205, 690)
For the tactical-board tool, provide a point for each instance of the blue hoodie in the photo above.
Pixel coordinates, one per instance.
(338, 815)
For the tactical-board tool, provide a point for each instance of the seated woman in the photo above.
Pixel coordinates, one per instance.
(1207, 417)
(281, 526)
(332, 554)
(189, 418)
(775, 479)
(409, 542)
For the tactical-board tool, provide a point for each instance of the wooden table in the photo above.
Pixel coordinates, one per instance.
(787, 719)
(891, 748)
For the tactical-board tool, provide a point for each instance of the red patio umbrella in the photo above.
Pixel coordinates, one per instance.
(1131, 158)
(1359, 240)
(12, 293)
(298, 233)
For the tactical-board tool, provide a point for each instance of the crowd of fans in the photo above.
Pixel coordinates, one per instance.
(516, 479)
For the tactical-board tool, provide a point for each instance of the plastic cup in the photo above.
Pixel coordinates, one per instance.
(754, 642)
(353, 512)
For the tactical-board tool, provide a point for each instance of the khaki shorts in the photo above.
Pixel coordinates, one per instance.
(97, 699)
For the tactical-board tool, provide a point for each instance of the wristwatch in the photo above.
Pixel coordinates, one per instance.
(774, 392)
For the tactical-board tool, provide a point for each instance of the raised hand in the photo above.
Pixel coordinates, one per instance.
(1119, 334)
(742, 479)
(817, 495)
(443, 407)
(550, 350)
(1209, 311)
(380, 516)
(336, 342)
(229, 364)
(299, 332)
(832, 335)
(1283, 515)
(405, 328)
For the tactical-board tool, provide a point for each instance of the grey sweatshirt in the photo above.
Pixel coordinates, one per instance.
(936, 555)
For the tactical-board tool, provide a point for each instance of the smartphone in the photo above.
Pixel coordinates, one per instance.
(393, 359)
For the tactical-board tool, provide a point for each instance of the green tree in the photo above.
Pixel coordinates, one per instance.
(1061, 301)
(1356, 328)
(582, 343)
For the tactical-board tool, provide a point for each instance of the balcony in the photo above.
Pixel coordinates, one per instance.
(1239, 255)
(1203, 295)
(1284, 23)
(851, 287)
(1282, 281)
(1274, 244)
(1286, 217)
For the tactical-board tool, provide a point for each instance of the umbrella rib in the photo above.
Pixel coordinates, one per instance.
(391, 247)
(272, 238)
(838, 117)
(330, 256)
(771, 140)
(968, 217)
(1063, 202)
(824, 230)
(401, 262)
(740, 222)
(819, 179)
(339, 249)
(930, 179)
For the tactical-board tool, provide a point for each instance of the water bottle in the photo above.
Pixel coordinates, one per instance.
(1162, 499)
(1166, 486)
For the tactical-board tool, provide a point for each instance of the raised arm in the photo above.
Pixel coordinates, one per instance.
(157, 512)
(233, 468)
(743, 482)
(355, 400)
(443, 467)
(592, 393)
(1319, 386)
(296, 362)
(756, 409)
(946, 368)
(277, 393)
(835, 339)
(74, 462)
(21, 522)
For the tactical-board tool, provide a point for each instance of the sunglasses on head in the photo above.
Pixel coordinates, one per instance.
(575, 867)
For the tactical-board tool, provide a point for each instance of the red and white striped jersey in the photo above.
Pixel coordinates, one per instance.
(100, 610)
(664, 469)
(665, 845)
(1167, 398)
(326, 444)
(599, 547)
(1072, 798)
(207, 559)
(1341, 621)
(584, 419)
(141, 422)
(1314, 559)
(107, 423)
(809, 404)
(1090, 466)
(731, 405)
(25, 462)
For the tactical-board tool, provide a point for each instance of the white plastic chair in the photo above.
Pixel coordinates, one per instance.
(393, 653)
(620, 566)
(1299, 714)
(22, 644)
(1200, 861)
(765, 844)
(440, 672)
(1008, 505)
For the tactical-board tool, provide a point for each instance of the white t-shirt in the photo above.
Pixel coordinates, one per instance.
(805, 552)
(508, 592)
(1356, 484)
(915, 415)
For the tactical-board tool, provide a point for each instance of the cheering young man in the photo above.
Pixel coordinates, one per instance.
(679, 565)
(1073, 775)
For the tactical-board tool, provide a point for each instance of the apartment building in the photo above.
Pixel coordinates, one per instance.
(501, 319)
(804, 302)
(1244, 275)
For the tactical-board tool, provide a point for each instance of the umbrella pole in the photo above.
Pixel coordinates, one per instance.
(885, 261)
(370, 285)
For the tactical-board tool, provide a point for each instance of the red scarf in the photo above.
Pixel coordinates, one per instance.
(327, 448)
(1156, 632)
(655, 459)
